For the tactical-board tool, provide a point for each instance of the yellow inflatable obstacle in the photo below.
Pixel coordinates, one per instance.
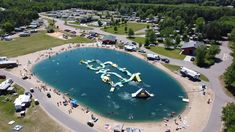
(137, 78)
(115, 65)
(82, 61)
(105, 79)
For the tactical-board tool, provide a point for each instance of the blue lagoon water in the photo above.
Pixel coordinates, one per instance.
(65, 73)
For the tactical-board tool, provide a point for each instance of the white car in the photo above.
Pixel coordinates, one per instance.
(17, 127)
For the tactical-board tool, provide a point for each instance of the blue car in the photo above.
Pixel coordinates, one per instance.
(128, 130)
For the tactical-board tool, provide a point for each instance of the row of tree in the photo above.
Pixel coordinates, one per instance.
(229, 117)
(199, 2)
(229, 75)
(21, 12)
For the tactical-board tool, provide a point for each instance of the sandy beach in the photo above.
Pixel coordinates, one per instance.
(193, 118)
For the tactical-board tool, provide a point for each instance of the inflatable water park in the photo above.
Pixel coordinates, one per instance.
(104, 68)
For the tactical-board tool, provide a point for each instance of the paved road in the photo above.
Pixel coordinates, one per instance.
(49, 107)
(213, 73)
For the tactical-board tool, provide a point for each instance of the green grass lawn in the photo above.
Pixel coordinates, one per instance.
(35, 120)
(140, 33)
(174, 68)
(172, 53)
(138, 39)
(36, 42)
(121, 28)
(78, 26)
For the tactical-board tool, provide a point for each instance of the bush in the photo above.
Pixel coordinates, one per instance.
(229, 117)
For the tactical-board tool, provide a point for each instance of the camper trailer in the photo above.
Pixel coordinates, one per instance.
(4, 63)
(189, 73)
(153, 57)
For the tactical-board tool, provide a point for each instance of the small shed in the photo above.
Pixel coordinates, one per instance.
(109, 39)
(190, 47)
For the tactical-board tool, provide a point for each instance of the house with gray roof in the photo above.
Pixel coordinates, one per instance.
(189, 48)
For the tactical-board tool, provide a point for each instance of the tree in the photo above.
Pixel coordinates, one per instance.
(168, 43)
(167, 22)
(53, 22)
(200, 23)
(125, 29)
(177, 40)
(180, 25)
(185, 36)
(50, 29)
(112, 21)
(115, 29)
(232, 35)
(99, 23)
(140, 45)
(167, 31)
(7, 27)
(211, 53)
(213, 31)
(147, 26)
(122, 20)
(213, 50)
(130, 33)
(229, 78)
(229, 117)
(200, 55)
(152, 36)
(146, 41)
(150, 16)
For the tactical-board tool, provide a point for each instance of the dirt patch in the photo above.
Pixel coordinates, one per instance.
(58, 35)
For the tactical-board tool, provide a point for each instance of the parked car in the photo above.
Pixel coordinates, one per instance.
(36, 101)
(17, 127)
(2, 77)
(192, 59)
(136, 130)
(31, 90)
(166, 60)
(134, 43)
(142, 51)
(90, 123)
(152, 44)
(128, 130)
(73, 32)
(67, 30)
(48, 95)
(24, 77)
(10, 81)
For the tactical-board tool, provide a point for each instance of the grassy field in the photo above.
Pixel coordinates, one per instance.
(174, 68)
(168, 52)
(36, 42)
(140, 33)
(121, 28)
(36, 120)
(78, 26)
(138, 39)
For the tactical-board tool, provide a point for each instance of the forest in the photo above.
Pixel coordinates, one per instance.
(22, 12)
